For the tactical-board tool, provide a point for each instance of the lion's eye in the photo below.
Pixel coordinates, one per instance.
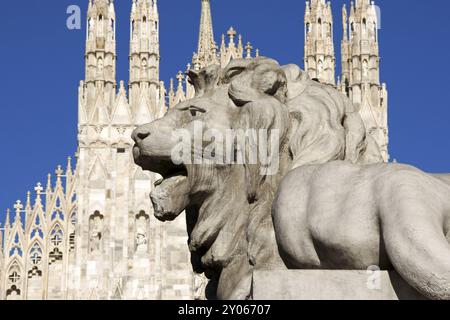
(234, 72)
(195, 111)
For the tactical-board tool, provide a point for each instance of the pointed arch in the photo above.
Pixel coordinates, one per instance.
(35, 258)
(37, 222)
(58, 206)
(56, 235)
(55, 265)
(98, 173)
(34, 272)
(14, 280)
(16, 247)
(122, 113)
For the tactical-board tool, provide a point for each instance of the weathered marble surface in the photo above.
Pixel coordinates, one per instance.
(330, 285)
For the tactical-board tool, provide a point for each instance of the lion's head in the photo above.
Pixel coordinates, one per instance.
(228, 198)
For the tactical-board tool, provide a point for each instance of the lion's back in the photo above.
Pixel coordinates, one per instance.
(337, 206)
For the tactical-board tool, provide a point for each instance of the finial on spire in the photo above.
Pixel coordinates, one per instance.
(28, 204)
(8, 218)
(231, 34)
(59, 173)
(38, 189)
(249, 49)
(223, 44)
(49, 182)
(240, 45)
(171, 87)
(180, 78)
(122, 87)
(18, 207)
(69, 166)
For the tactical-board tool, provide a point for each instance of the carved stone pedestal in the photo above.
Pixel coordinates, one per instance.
(331, 285)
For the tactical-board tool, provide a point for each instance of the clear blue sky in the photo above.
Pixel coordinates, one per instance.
(42, 64)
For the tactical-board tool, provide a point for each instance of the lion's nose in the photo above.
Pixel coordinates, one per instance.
(140, 134)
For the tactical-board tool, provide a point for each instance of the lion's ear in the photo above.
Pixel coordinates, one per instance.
(204, 79)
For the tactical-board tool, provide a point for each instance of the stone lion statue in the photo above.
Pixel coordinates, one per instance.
(331, 203)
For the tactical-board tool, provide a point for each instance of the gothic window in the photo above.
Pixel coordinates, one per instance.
(16, 246)
(375, 31)
(364, 30)
(308, 28)
(113, 28)
(36, 254)
(74, 198)
(14, 280)
(35, 259)
(14, 277)
(144, 25)
(57, 214)
(12, 292)
(319, 28)
(347, 87)
(54, 256)
(36, 231)
(95, 232)
(56, 236)
(72, 228)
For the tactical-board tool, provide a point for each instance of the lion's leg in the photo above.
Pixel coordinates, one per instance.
(412, 227)
(289, 213)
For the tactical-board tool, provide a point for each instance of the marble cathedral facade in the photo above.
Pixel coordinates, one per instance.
(360, 65)
(90, 233)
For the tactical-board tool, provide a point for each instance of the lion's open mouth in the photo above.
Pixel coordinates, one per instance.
(170, 195)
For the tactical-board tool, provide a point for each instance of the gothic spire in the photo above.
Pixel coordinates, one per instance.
(319, 55)
(206, 53)
(361, 69)
(8, 218)
(100, 57)
(18, 207)
(144, 54)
